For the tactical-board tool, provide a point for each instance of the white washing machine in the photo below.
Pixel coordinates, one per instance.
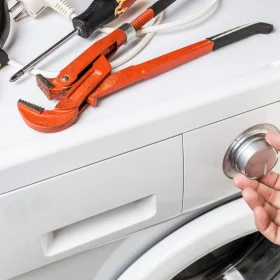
(138, 187)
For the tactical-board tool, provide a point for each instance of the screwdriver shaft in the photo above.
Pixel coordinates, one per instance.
(100, 12)
(37, 60)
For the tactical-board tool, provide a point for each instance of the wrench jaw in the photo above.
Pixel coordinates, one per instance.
(70, 106)
(51, 88)
(46, 121)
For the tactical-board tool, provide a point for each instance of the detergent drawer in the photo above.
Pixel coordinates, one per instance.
(205, 150)
(89, 207)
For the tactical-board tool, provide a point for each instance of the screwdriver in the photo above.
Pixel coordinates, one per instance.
(99, 13)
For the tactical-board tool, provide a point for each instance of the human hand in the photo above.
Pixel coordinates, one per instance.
(263, 197)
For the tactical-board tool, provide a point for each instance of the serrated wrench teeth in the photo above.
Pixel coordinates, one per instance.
(46, 121)
(32, 106)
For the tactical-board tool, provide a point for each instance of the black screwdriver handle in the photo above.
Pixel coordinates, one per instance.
(4, 22)
(99, 13)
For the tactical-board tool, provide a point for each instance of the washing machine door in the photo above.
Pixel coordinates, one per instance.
(221, 244)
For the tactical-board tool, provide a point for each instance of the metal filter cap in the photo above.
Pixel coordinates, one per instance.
(250, 154)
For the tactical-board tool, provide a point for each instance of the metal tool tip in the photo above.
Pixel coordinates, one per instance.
(16, 76)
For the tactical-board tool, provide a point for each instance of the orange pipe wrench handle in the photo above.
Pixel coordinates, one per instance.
(171, 60)
(150, 69)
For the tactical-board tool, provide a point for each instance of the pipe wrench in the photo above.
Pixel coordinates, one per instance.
(89, 77)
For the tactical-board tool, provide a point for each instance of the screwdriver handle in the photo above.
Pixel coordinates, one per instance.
(99, 13)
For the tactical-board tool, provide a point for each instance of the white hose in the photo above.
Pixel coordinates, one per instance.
(149, 31)
(139, 47)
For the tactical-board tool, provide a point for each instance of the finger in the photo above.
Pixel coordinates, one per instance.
(272, 180)
(263, 223)
(265, 226)
(270, 195)
(254, 200)
(273, 139)
(242, 182)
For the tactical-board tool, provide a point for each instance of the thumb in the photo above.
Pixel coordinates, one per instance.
(273, 139)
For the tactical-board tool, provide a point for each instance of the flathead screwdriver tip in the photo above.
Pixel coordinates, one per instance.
(16, 76)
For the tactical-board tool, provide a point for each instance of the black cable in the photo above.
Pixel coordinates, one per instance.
(4, 22)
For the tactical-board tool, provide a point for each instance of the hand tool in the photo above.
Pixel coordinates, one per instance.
(79, 79)
(99, 13)
(97, 82)
(4, 22)
(159, 65)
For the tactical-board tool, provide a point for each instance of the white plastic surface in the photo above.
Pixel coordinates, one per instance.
(205, 149)
(90, 207)
(193, 241)
(109, 261)
(231, 81)
(104, 224)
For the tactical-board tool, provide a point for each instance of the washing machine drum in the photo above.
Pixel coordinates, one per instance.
(252, 258)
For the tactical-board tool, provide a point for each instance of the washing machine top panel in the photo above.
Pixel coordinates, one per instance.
(211, 88)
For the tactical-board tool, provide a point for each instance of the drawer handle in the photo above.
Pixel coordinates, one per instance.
(96, 227)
